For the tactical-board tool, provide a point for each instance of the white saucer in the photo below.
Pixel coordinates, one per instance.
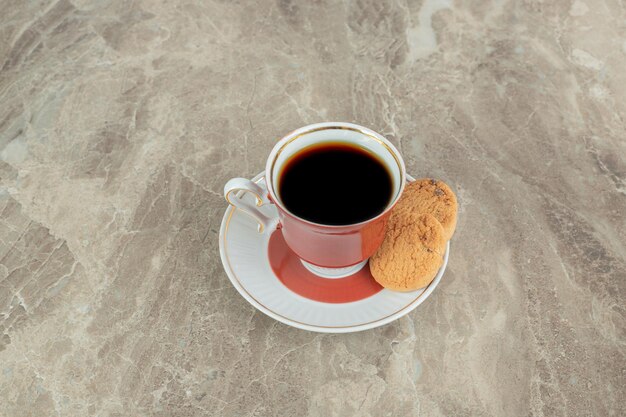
(244, 253)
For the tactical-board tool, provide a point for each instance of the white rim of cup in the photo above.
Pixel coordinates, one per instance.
(289, 138)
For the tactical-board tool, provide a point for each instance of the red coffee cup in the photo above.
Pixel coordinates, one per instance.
(326, 250)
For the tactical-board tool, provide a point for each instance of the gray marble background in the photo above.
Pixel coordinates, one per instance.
(120, 121)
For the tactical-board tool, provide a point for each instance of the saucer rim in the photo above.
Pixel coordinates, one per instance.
(423, 295)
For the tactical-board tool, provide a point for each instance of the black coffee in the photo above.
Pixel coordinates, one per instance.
(335, 184)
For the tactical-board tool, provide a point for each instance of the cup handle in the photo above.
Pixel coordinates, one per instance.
(260, 193)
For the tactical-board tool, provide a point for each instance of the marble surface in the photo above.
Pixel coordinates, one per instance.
(121, 121)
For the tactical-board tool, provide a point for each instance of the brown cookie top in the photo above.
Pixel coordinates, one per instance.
(411, 253)
(430, 196)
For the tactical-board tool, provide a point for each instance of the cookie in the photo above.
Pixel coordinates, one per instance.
(411, 252)
(433, 197)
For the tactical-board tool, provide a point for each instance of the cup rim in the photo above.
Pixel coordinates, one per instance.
(292, 136)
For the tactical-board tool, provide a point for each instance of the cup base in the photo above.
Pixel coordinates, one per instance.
(333, 273)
